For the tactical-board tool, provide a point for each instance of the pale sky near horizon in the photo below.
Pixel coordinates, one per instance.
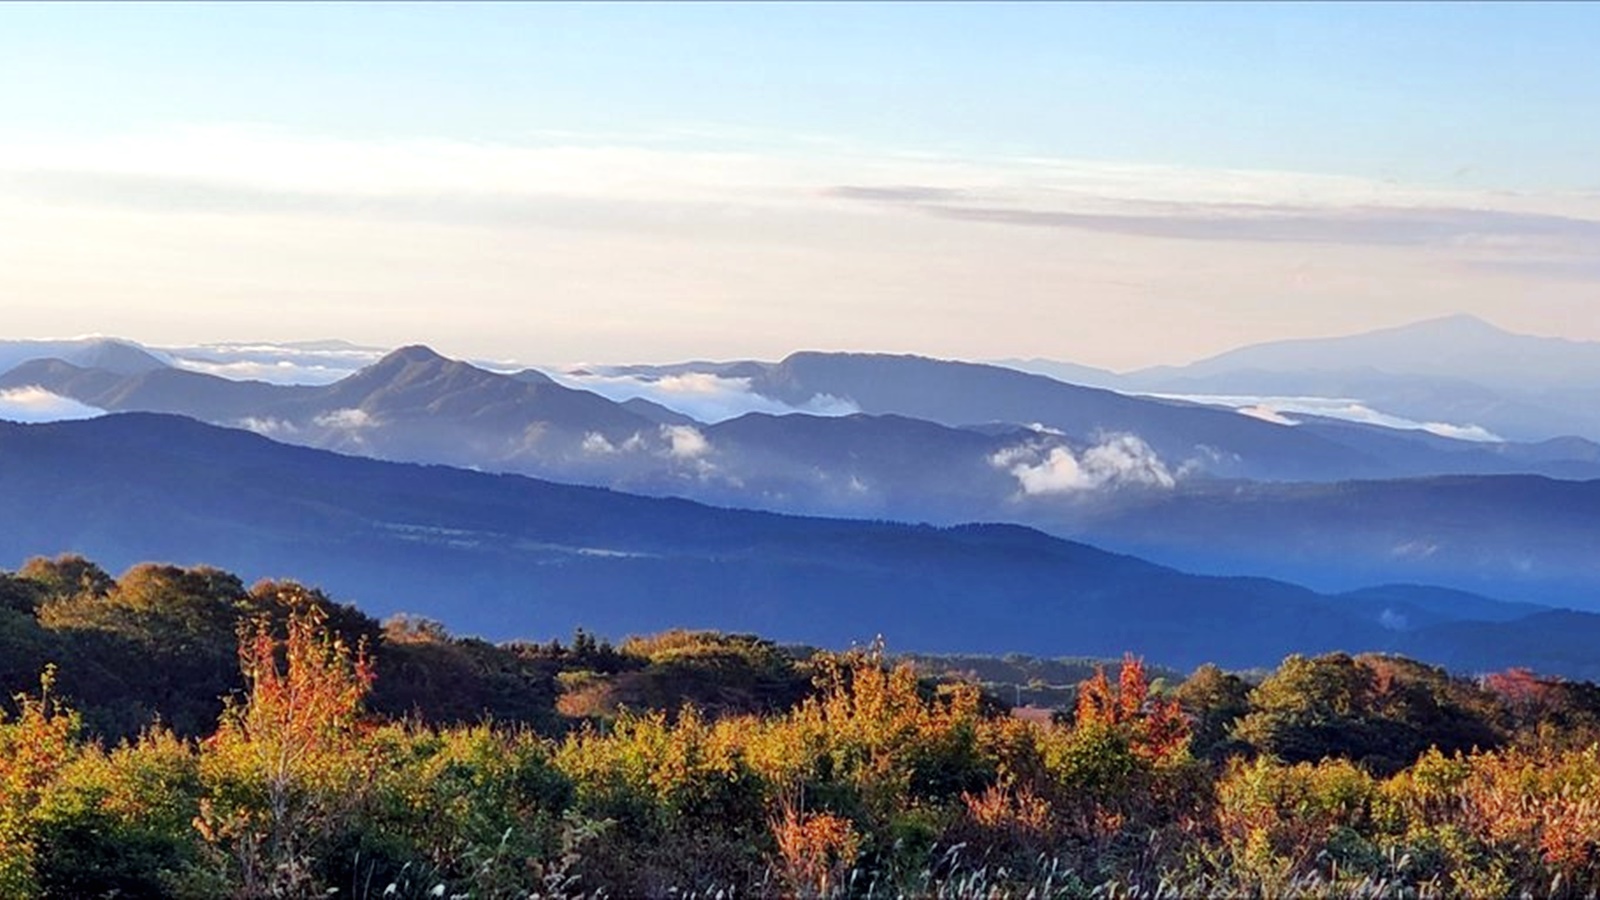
(1118, 185)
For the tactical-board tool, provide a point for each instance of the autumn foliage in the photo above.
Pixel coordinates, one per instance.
(1331, 776)
(1156, 728)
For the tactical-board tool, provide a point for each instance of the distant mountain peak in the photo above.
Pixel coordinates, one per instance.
(414, 365)
(409, 365)
(1456, 323)
(121, 357)
(335, 344)
(413, 359)
(411, 354)
(531, 376)
(113, 355)
(801, 355)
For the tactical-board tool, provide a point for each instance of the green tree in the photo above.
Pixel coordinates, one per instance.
(160, 644)
(68, 575)
(20, 594)
(1377, 710)
(1213, 700)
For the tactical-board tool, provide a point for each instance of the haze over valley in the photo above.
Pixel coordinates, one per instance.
(1338, 509)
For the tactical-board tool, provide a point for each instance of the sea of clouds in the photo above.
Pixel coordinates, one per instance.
(1281, 410)
(35, 405)
(702, 396)
(314, 362)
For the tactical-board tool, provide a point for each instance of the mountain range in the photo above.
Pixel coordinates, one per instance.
(1325, 502)
(509, 556)
(416, 405)
(1511, 536)
(1457, 369)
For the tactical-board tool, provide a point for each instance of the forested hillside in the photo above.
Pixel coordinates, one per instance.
(175, 733)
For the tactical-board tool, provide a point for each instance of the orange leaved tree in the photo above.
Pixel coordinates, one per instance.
(285, 768)
(33, 749)
(1156, 728)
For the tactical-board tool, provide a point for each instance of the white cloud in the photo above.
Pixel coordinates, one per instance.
(269, 427)
(346, 419)
(288, 164)
(1125, 459)
(1462, 432)
(1272, 409)
(1207, 458)
(701, 396)
(1392, 620)
(1008, 457)
(685, 441)
(1058, 472)
(237, 169)
(1266, 414)
(280, 372)
(598, 444)
(1117, 460)
(35, 404)
(301, 363)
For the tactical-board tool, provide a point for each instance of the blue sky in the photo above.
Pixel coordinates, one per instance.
(1432, 92)
(675, 117)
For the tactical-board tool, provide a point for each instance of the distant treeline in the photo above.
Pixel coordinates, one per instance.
(175, 733)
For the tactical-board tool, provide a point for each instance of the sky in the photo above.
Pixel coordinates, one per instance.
(1117, 185)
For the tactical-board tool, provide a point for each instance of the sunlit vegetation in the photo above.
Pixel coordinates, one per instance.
(176, 734)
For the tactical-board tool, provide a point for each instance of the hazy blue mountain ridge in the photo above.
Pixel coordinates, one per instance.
(508, 556)
(946, 443)
(1518, 537)
(1457, 369)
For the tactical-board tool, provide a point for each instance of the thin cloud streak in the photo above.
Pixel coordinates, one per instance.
(164, 195)
(1348, 409)
(1360, 225)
